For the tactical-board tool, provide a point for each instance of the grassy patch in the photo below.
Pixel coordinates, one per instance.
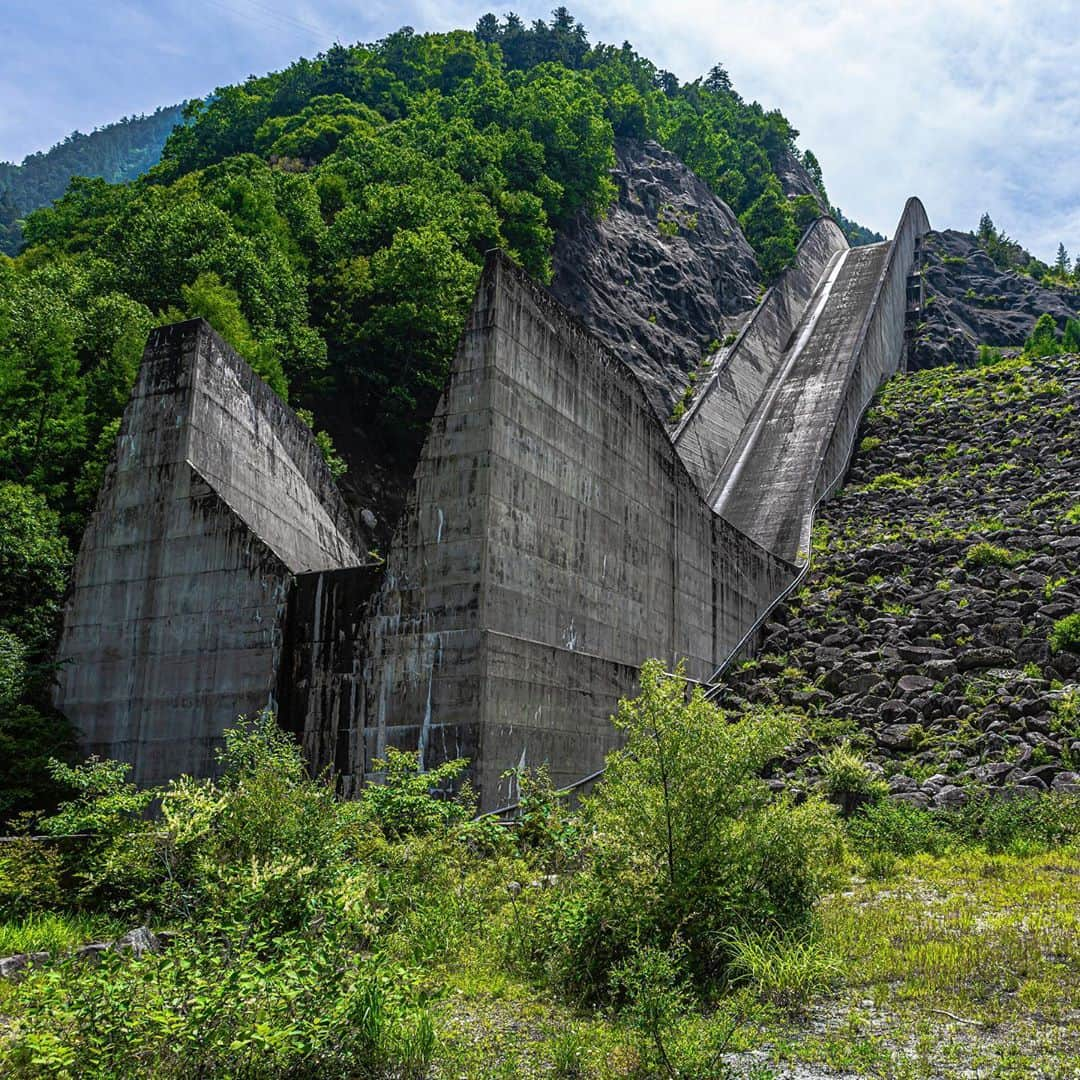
(56, 932)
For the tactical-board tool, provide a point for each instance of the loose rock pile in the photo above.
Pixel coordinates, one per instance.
(922, 633)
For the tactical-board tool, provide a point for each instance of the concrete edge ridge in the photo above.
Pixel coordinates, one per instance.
(718, 369)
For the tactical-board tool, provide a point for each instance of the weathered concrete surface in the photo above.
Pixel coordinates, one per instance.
(718, 416)
(320, 679)
(794, 445)
(879, 351)
(554, 541)
(769, 477)
(217, 494)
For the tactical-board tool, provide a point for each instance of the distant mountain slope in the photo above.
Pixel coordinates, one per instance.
(116, 152)
(857, 235)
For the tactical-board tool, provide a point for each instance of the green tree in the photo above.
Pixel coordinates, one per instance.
(1043, 339)
(687, 841)
(769, 224)
(807, 210)
(813, 167)
(1070, 339)
(34, 560)
(207, 297)
(42, 393)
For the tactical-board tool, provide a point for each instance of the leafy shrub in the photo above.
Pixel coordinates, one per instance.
(651, 983)
(684, 840)
(117, 865)
(847, 779)
(1065, 634)
(251, 1004)
(667, 227)
(1022, 824)
(402, 805)
(1043, 340)
(546, 827)
(869, 444)
(304, 925)
(896, 827)
(893, 481)
(984, 554)
(31, 878)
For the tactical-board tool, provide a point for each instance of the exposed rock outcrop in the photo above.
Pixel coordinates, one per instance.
(795, 180)
(663, 275)
(972, 302)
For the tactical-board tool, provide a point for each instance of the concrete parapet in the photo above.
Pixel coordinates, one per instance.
(709, 431)
(879, 351)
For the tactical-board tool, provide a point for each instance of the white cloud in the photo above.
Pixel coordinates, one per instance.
(971, 105)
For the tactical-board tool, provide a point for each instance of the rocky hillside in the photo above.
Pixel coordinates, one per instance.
(973, 302)
(665, 274)
(925, 631)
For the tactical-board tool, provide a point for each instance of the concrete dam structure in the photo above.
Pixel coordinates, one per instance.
(557, 534)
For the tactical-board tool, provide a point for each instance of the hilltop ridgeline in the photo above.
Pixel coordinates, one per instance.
(116, 153)
(925, 632)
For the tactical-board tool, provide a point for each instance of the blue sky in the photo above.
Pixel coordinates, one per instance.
(972, 104)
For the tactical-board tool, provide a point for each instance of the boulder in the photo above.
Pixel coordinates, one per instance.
(14, 965)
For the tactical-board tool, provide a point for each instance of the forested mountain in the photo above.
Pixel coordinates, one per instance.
(330, 220)
(116, 152)
(856, 234)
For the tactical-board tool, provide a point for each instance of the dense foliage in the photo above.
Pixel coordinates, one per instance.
(339, 210)
(857, 235)
(1007, 254)
(116, 152)
(1044, 339)
(309, 936)
(308, 931)
(685, 844)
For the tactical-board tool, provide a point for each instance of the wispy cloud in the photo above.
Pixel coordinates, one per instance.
(969, 103)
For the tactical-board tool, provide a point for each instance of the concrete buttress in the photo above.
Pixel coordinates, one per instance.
(556, 535)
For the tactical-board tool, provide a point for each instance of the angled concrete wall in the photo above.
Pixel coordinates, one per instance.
(216, 496)
(555, 538)
(554, 541)
(711, 427)
(880, 349)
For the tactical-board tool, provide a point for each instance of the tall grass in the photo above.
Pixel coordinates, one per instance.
(55, 932)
